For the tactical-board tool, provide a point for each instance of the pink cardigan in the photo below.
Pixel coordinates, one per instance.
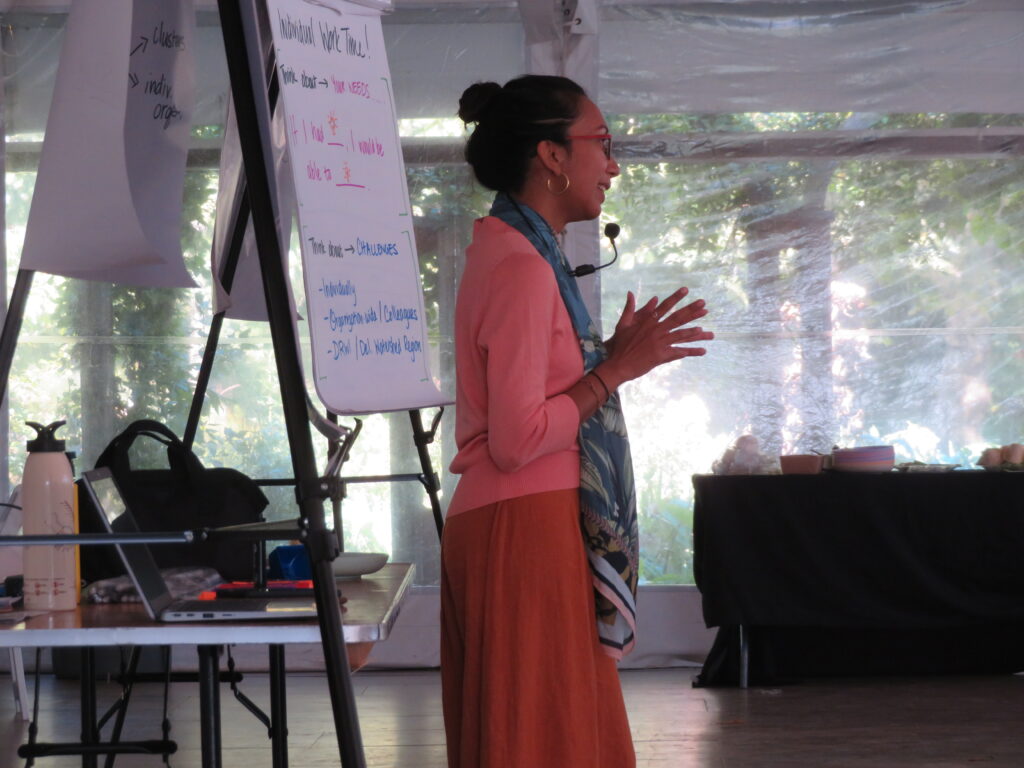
(516, 352)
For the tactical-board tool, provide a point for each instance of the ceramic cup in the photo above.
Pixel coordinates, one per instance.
(801, 464)
(990, 457)
(1013, 453)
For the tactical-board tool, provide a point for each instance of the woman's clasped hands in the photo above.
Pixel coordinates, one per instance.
(652, 335)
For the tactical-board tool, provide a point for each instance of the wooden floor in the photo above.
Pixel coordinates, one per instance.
(934, 722)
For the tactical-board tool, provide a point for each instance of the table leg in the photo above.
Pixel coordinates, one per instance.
(278, 705)
(744, 656)
(127, 686)
(87, 689)
(209, 705)
(18, 681)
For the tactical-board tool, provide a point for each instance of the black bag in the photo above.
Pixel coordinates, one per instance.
(187, 496)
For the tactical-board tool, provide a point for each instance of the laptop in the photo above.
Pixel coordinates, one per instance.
(150, 584)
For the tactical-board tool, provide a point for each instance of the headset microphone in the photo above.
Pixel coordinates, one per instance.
(611, 231)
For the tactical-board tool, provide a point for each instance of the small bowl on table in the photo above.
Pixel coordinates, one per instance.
(865, 458)
(802, 464)
(354, 565)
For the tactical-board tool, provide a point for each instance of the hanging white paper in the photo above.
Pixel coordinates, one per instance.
(107, 201)
(246, 301)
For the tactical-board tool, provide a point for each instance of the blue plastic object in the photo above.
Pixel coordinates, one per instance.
(290, 561)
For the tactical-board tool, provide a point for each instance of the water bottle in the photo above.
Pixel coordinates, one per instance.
(47, 500)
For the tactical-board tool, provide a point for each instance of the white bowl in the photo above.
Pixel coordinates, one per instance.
(352, 565)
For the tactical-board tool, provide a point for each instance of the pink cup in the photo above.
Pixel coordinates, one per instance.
(991, 457)
(1013, 453)
(864, 458)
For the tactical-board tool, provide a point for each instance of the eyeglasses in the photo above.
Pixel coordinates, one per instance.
(604, 138)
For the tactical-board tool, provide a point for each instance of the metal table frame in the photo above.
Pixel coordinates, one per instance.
(373, 608)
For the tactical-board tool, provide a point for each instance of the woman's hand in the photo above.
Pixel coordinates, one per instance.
(648, 337)
(627, 318)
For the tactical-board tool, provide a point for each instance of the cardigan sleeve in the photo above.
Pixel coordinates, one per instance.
(525, 420)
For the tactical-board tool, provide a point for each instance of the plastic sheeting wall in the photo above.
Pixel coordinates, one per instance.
(770, 56)
(842, 182)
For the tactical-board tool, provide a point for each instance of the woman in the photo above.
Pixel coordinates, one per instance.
(528, 670)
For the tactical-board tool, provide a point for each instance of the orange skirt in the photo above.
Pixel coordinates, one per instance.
(524, 679)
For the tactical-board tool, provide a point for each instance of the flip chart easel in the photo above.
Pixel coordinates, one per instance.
(339, 441)
(240, 23)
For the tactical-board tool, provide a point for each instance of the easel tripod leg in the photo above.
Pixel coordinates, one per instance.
(339, 681)
(278, 708)
(12, 325)
(422, 439)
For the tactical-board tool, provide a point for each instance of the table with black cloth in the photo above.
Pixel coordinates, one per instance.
(846, 573)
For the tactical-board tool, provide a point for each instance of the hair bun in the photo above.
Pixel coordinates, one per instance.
(476, 100)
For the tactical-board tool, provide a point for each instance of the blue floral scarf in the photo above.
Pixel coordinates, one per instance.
(607, 496)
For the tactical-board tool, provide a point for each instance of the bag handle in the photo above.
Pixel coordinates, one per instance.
(180, 459)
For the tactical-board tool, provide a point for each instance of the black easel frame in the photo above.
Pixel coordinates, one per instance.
(241, 45)
(12, 325)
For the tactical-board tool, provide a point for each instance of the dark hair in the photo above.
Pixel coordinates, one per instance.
(511, 120)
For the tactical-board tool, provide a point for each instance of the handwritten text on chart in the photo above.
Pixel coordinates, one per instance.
(376, 346)
(161, 87)
(328, 37)
(382, 313)
(373, 248)
(319, 247)
(328, 248)
(345, 323)
(165, 110)
(168, 38)
(332, 289)
(312, 132)
(335, 85)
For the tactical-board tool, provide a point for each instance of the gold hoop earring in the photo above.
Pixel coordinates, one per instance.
(561, 191)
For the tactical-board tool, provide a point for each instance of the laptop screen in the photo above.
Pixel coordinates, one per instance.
(137, 559)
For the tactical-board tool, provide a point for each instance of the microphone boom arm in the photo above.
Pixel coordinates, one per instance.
(611, 231)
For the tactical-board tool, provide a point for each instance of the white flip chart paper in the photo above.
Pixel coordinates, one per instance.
(364, 298)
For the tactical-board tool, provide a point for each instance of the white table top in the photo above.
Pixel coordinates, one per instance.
(373, 605)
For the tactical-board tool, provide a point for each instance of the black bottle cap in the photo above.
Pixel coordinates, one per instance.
(45, 440)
